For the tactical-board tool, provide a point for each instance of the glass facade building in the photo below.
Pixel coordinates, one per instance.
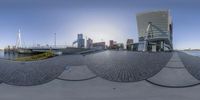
(81, 41)
(155, 31)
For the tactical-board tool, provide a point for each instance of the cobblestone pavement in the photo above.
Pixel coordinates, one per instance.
(119, 66)
(124, 66)
(35, 72)
(174, 75)
(192, 64)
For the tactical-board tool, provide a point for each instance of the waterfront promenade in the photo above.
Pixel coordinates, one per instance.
(174, 74)
(123, 66)
(35, 72)
(113, 75)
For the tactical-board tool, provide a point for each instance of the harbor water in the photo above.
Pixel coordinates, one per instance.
(194, 53)
(11, 56)
(15, 55)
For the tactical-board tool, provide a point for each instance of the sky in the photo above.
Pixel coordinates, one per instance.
(101, 20)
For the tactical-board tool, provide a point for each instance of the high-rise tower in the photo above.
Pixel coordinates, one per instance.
(155, 31)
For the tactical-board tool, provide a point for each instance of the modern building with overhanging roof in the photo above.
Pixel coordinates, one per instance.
(155, 31)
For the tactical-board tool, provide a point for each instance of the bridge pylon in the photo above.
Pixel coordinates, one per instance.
(19, 41)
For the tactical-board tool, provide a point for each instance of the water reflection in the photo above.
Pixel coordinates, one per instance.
(12, 56)
(194, 53)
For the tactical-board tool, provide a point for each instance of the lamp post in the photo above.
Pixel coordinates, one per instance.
(55, 40)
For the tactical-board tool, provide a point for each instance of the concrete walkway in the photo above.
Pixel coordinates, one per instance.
(192, 64)
(174, 75)
(76, 73)
(97, 89)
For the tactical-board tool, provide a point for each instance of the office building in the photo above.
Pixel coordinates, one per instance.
(111, 43)
(155, 31)
(81, 41)
(89, 43)
(129, 44)
(99, 45)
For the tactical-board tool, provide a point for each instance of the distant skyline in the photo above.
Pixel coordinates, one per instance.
(101, 20)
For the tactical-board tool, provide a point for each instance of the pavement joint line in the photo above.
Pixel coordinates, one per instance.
(77, 79)
(172, 86)
(175, 67)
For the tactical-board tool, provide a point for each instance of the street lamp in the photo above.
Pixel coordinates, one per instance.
(55, 40)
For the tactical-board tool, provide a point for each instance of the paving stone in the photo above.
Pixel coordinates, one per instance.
(126, 66)
(174, 75)
(35, 72)
(192, 64)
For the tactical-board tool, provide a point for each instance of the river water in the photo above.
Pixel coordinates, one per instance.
(13, 56)
(194, 53)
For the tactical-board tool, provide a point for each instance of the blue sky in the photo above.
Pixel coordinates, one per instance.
(101, 20)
